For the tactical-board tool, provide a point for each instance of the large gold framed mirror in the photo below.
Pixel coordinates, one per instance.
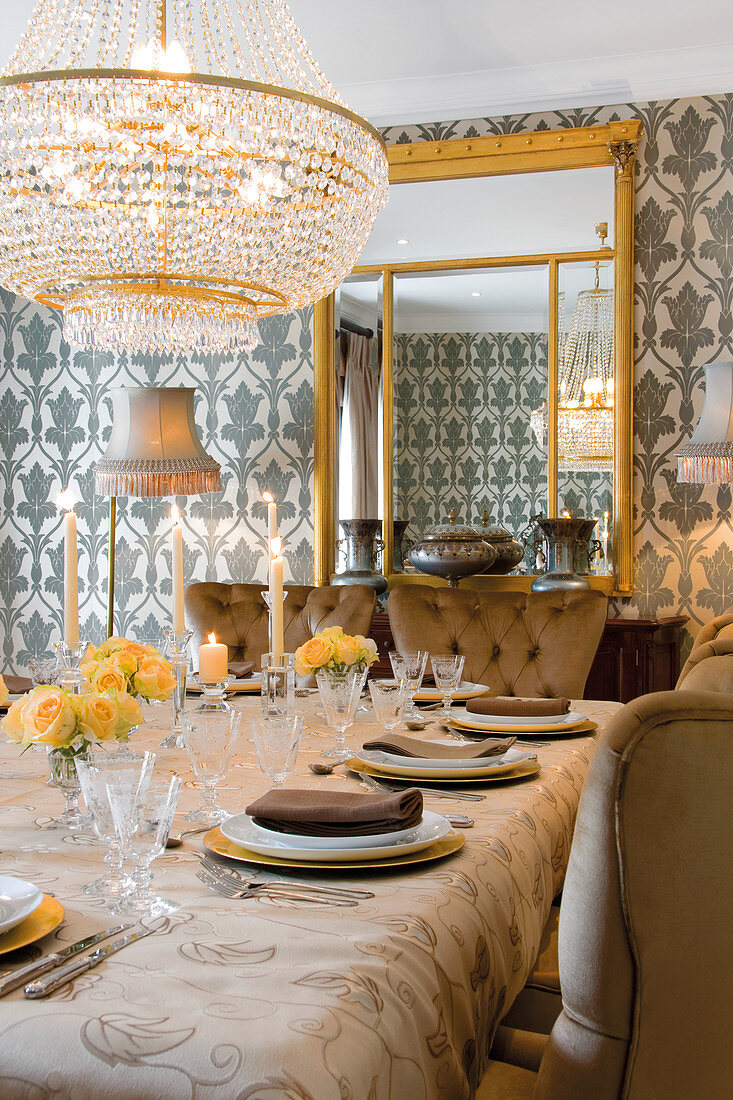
(466, 316)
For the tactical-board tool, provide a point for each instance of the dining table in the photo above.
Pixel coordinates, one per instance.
(266, 998)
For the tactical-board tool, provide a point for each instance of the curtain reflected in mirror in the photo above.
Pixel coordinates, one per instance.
(470, 366)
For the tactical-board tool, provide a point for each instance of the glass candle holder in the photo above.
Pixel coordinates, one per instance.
(176, 650)
(70, 677)
(277, 694)
(214, 694)
(266, 597)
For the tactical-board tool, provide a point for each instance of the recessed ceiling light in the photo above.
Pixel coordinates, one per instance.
(403, 240)
(475, 293)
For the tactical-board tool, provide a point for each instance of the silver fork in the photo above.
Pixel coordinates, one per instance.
(248, 890)
(234, 878)
(438, 792)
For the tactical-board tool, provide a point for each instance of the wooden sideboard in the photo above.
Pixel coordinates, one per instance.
(635, 656)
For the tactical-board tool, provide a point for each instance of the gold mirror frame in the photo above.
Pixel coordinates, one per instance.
(611, 145)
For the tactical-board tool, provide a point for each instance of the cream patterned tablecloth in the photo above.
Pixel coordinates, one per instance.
(397, 999)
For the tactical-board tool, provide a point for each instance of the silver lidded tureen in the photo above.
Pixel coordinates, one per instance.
(452, 550)
(509, 552)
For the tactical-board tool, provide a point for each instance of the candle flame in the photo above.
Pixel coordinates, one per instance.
(175, 513)
(65, 501)
(212, 639)
(268, 497)
(566, 514)
(276, 547)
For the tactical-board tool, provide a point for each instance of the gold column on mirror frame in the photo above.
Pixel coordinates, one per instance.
(388, 420)
(553, 336)
(324, 444)
(624, 156)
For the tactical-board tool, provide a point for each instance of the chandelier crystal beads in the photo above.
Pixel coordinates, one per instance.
(175, 172)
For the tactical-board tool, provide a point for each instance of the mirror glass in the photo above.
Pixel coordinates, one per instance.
(470, 367)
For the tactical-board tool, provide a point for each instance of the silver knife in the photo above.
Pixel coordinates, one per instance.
(72, 970)
(14, 978)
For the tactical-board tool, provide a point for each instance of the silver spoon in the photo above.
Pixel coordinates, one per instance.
(324, 769)
(177, 841)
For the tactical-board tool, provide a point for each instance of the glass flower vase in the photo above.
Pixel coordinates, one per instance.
(62, 770)
(340, 690)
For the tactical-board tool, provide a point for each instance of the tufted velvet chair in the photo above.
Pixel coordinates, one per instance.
(645, 938)
(519, 643)
(237, 614)
(710, 664)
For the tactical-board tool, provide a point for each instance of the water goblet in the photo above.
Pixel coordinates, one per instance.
(277, 741)
(411, 668)
(340, 691)
(210, 736)
(388, 699)
(94, 775)
(447, 670)
(142, 821)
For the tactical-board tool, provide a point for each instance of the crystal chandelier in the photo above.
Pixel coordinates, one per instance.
(174, 171)
(585, 408)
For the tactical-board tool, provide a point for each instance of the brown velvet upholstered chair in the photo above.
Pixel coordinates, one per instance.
(646, 922)
(710, 664)
(237, 614)
(519, 643)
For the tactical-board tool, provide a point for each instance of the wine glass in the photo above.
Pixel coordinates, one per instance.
(447, 670)
(142, 819)
(120, 768)
(388, 699)
(277, 741)
(210, 736)
(340, 691)
(411, 668)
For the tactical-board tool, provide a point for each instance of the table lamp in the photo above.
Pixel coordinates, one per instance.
(708, 456)
(154, 451)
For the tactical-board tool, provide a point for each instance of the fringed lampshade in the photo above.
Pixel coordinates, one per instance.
(154, 449)
(708, 457)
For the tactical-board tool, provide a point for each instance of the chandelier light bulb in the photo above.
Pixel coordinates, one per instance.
(176, 170)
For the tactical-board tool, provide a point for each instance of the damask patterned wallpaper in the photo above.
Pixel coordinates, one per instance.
(254, 415)
(683, 319)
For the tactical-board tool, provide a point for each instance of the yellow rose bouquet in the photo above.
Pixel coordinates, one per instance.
(55, 718)
(333, 651)
(121, 665)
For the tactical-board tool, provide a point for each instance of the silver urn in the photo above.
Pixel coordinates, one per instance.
(509, 551)
(452, 550)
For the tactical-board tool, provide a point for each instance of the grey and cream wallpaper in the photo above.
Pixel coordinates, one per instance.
(255, 416)
(255, 413)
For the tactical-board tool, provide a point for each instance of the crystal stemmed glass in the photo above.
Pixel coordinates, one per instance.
(142, 822)
(277, 741)
(411, 668)
(116, 767)
(388, 699)
(447, 670)
(210, 737)
(340, 692)
(43, 670)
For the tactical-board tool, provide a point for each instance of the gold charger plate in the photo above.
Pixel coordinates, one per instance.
(246, 686)
(216, 842)
(434, 695)
(42, 920)
(522, 771)
(586, 726)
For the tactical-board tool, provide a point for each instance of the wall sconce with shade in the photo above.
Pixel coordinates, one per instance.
(154, 451)
(708, 456)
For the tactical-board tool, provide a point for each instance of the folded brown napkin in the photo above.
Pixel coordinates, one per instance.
(17, 685)
(337, 813)
(241, 669)
(410, 746)
(517, 708)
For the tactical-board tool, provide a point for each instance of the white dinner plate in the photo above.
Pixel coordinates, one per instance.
(298, 840)
(18, 899)
(379, 756)
(465, 690)
(524, 720)
(409, 768)
(242, 831)
(477, 723)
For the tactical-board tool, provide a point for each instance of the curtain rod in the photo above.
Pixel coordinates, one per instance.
(358, 330)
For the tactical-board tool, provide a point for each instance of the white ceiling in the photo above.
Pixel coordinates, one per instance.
(401, 61)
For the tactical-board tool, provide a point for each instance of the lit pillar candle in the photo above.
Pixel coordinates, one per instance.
(65, 500)
(213, 661)
(179, 618)
(277, 609)
(271, 516)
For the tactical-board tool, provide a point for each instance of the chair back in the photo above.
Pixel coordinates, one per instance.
(713, 641)
(518, 643)
(645, 941)
(237, 614)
